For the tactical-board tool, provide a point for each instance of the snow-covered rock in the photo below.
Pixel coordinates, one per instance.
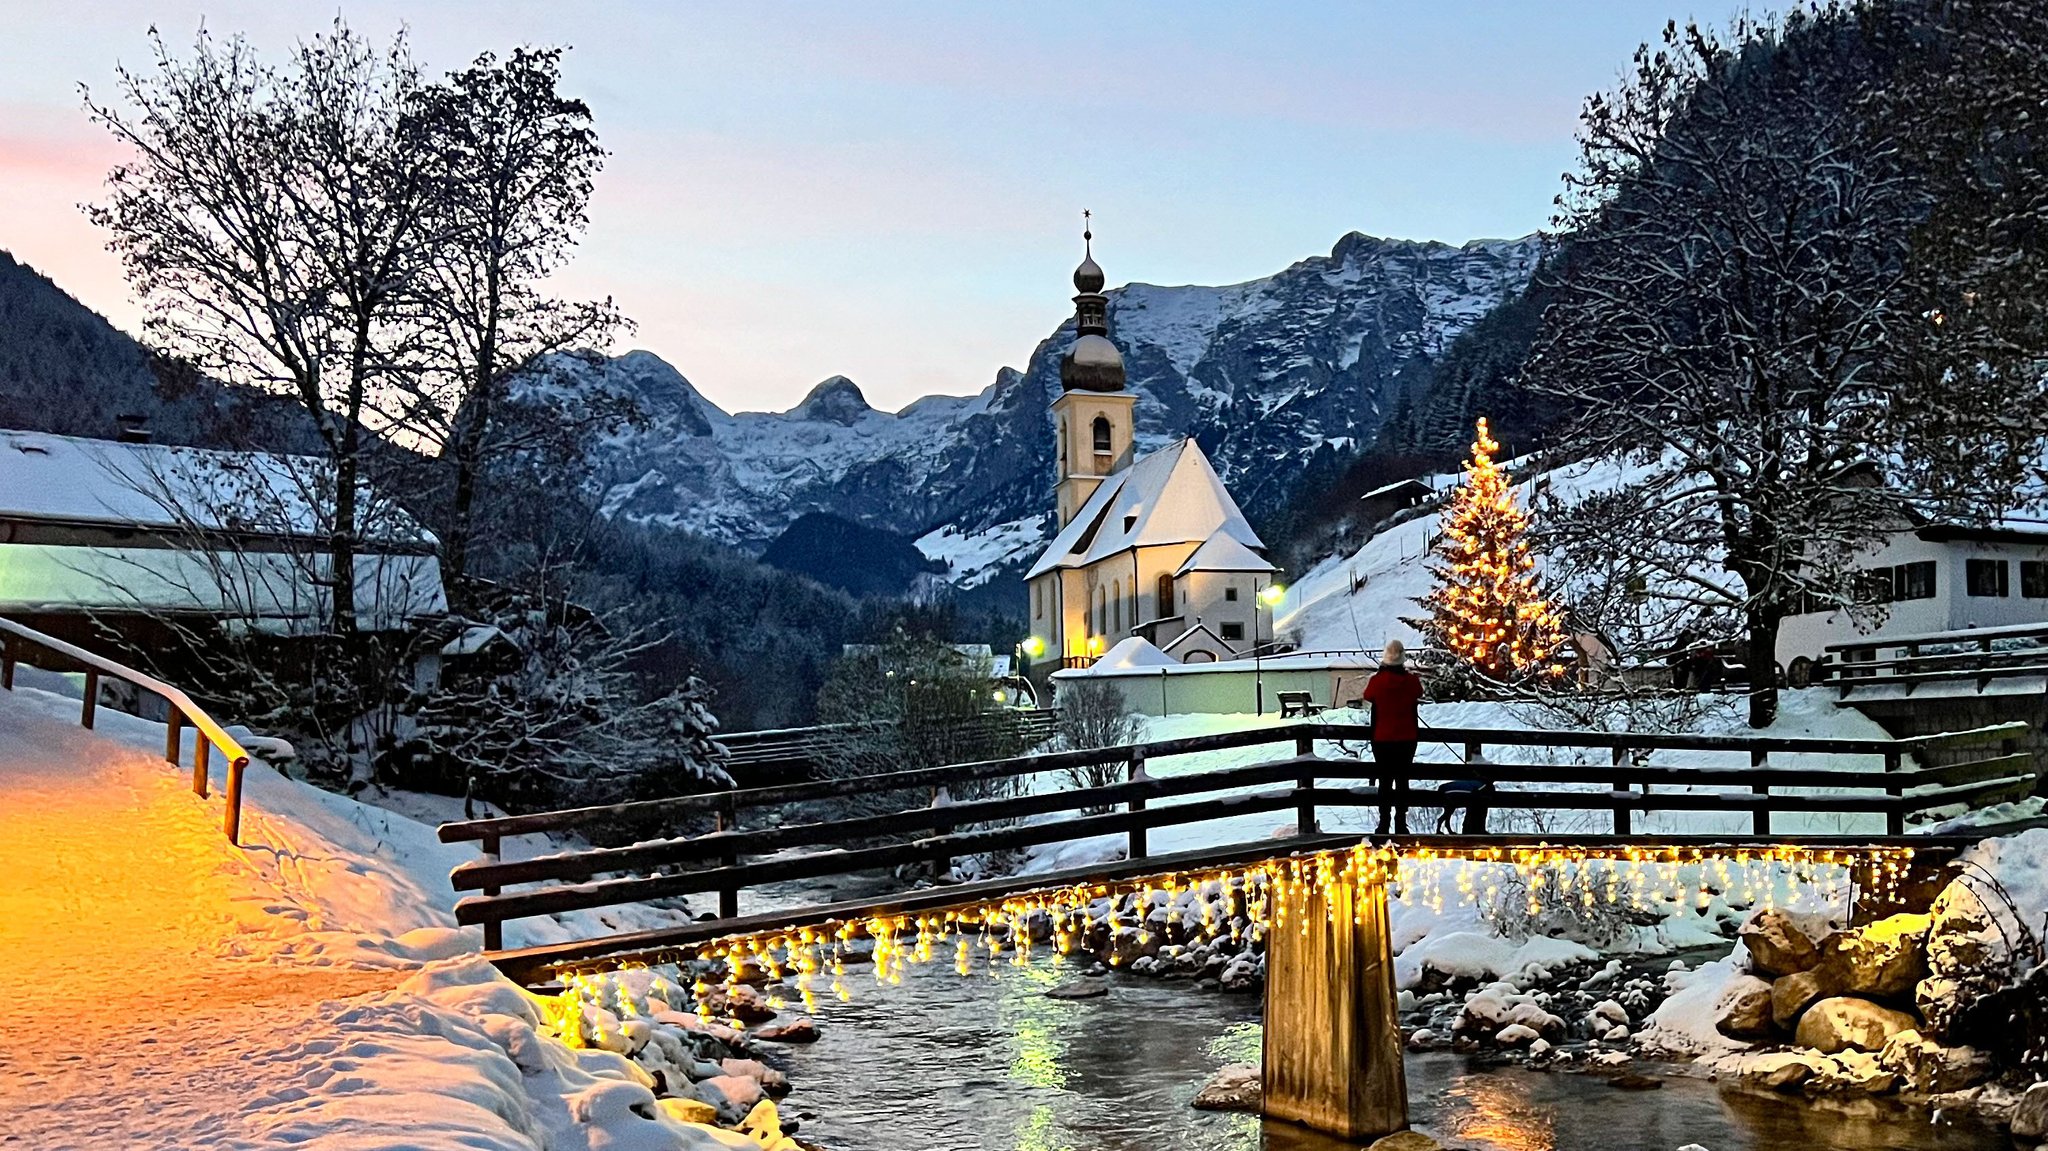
(1930, 1068)
(1743, 1010)
(1776, 944)
(1884, 959)
(1841, 1023)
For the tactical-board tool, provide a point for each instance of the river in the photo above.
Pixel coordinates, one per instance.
(986, 1062)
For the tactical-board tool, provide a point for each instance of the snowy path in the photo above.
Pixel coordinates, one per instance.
(129, 1026)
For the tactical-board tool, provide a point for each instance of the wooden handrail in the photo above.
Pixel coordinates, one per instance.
(182, 711)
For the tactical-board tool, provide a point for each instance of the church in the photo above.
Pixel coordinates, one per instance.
(1151, 552)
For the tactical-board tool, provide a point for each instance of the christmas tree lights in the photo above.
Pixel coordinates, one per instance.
(1487, 608)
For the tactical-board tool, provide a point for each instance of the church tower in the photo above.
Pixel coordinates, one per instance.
(1092, 416)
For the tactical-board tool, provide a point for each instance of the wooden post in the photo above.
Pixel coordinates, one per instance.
(88, 709)
(1760, 762)
(6, 663)
(1138, 846)
(174, 738)
(728, 897)
(1304, 788)
(1332, 1047)
(942, 864)
(1895, 817)
(494, 931)
(1475, 808)
(202, 759)
(232, 820)
(1621, 810)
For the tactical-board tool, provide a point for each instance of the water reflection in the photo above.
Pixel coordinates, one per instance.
(990, 1063)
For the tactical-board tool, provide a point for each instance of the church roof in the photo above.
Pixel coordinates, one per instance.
(1223, 553)
(1171, 496)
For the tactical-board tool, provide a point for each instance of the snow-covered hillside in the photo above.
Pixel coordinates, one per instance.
(1265, 372)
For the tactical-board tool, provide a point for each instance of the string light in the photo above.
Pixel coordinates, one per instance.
(1246, 905)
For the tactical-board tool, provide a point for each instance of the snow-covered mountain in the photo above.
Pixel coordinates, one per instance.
(1264, 373)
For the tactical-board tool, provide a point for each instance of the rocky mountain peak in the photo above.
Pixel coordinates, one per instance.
(837, 400)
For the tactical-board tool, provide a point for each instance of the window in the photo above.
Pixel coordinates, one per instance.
(1038, 601)
(1165, 597)
(1102, 444)
(1913, 580)
(1116, 599)
(1231, 631)
(1230, 593)
(2034, 579)
(1990, 578)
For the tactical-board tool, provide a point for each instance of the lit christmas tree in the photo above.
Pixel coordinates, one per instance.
(1487, 607)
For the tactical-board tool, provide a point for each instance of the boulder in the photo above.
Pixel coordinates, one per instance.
(1930, 1068)
(1744, 1009)
(732, 1095)
(1792, 994)
(798, 1030)
(1776, 944)
(1516, 1034)
(688, 1110)
(1843, 1023)
(1883, 959)
(1779, 1071)
(1235, 1087)
(1538, 1020)
(1079, 989)
(2030, 1118)
(1405, 1141)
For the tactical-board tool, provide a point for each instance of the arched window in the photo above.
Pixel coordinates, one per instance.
(1165, 595)
(1102, 435)
(1101, 612)
(1116, 598)
(1134, 602)
(1062, 429)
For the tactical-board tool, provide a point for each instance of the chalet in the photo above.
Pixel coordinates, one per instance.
(101, 536)
(1931, 578)
(1389, 500)
(1148, 546)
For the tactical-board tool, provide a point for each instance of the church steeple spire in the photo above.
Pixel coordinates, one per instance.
(1092, 364)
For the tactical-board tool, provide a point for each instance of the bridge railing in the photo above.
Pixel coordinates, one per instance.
(18, 644)
(798, 751)
(1979, 655)
(1302, 781)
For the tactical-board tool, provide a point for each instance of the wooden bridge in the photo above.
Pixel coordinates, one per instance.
(1346, 1078)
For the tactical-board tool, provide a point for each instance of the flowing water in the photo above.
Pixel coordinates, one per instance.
(987, 1063)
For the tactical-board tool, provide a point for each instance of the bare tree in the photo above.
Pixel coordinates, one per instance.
(515, 161)
(1729, 315)
(273, 220)
(1093, 714)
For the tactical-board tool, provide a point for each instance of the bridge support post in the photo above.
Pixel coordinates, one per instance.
(1332, 1049)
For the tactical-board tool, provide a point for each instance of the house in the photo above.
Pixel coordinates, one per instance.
(100, 536)
(1153, 546)
(1388, 500)
(1930, 578)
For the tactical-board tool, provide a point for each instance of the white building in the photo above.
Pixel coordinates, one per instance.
(101, 529)
(1152, 547)
(1930, 579)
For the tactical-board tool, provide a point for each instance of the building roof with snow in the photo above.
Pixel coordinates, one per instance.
(100, 526)
(1172, 496)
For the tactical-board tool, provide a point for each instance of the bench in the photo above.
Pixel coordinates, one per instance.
(1298, 703)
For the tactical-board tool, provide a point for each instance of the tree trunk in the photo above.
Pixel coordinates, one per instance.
(1763, 666)
(342, 539)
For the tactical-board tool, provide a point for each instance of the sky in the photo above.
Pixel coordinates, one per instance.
(893, 191)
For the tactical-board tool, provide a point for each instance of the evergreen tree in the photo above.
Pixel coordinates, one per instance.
(1487, 607)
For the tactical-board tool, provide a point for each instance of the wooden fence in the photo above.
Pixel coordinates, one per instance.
(1978, 656)
(931, 827)
(23, 645)
(790, 754)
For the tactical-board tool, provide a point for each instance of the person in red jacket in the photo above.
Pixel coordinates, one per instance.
(1393, 691)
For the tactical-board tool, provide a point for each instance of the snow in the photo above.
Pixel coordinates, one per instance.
(972, 558)
(1476, 955)
(1684, 1023)
(272, 1005)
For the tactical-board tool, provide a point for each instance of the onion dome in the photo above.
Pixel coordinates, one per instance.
(1092, 363)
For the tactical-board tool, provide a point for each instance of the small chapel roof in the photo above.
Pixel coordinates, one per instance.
(1224, 553)
(1171, 496)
